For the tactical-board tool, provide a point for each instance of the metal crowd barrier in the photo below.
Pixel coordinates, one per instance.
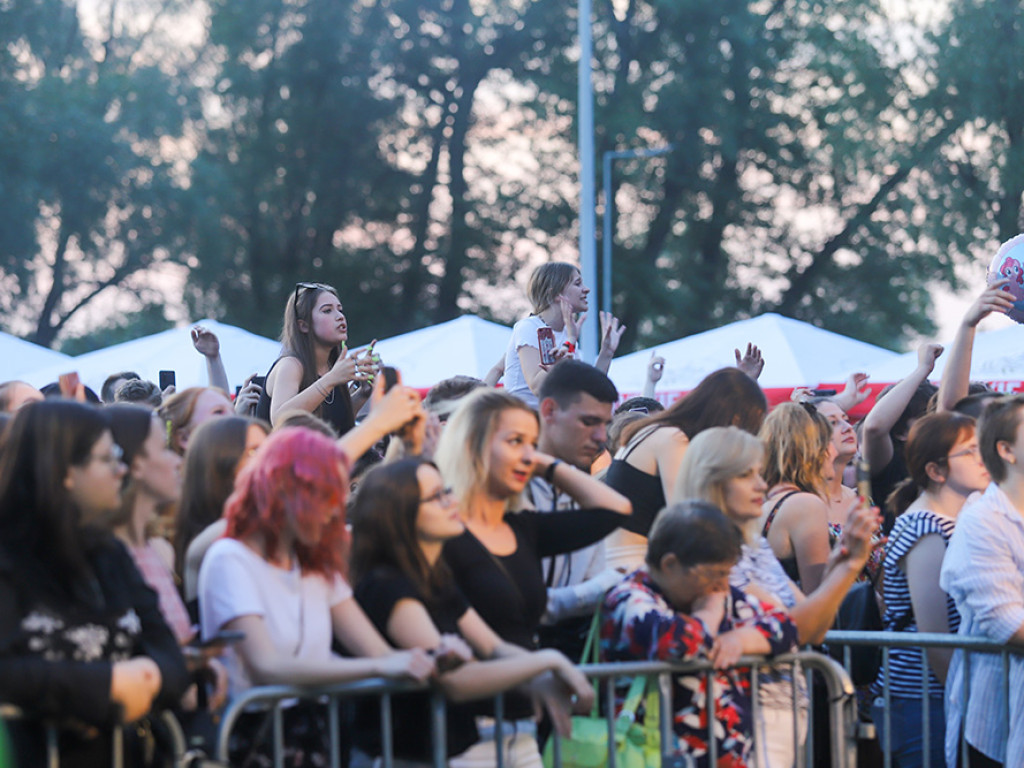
(922, 641)
(11, 713)
(275, 699)
(840, 696)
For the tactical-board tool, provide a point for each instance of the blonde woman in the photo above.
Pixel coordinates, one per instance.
(487, 455)
(723, 466)
(559, 300)
(798, 449)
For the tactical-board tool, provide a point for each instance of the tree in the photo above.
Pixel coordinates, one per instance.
(798, 183)
(90, 188)
(408, 206)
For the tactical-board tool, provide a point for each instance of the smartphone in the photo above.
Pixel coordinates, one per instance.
(823, 392)
(224, 637)
(546, 345)
(69, 383)
(864, 481)
(390, 377)
(260, 381)
(166, 379)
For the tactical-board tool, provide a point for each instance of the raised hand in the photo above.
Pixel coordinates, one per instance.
(750, 362)
(611, 333)
(205, 341)
(927, 354)
(995, 298)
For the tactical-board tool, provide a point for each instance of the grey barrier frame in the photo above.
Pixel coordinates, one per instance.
(274, 698)
(840, 690)
(922, 641)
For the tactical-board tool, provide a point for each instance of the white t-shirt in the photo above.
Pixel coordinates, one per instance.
(524, 334)
(296, 608)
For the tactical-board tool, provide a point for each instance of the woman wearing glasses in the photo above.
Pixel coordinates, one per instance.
(82, 640)
(401, 519)
(315, 370)
(945, 468)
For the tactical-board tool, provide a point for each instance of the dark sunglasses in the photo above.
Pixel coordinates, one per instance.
(309, 286)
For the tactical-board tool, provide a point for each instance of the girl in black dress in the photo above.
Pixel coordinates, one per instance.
(401, 519)
(488, 454)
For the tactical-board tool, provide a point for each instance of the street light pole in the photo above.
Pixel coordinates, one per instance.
(588, 204)
(608, 220)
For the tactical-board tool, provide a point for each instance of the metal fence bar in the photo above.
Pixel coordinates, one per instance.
(499, 729)
(965, 646)
(609, 690)
(274, 698)
(887, 717)
(926, 709)
(1006, 703)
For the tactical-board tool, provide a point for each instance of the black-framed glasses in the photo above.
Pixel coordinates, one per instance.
(307, 286)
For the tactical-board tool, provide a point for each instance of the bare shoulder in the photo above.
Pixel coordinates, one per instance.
(800, 508)
(288, 369)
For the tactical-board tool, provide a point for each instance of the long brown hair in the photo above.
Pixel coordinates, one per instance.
(208, 477)
(298, 343)
(725, 398)
(383, 517)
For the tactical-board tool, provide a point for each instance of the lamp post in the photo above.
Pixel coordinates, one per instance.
(608, 220)
(590, 332)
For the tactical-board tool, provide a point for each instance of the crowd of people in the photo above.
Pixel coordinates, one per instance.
(168, 550)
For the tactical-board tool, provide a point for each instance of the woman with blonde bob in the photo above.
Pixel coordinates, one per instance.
(487, 455)
(559, 300)
(798, 450)
(723, 466)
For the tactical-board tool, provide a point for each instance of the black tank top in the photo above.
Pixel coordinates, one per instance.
(644, 491)
(337, 413)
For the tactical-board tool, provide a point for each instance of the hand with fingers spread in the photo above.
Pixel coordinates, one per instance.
(856, 389)
(611, 333)
(750, 362)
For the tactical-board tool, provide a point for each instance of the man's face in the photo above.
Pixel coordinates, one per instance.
(576, 434)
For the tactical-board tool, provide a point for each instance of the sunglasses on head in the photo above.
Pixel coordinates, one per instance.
(307, 286)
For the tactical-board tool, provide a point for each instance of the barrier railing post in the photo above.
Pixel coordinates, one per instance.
(334, 730)
(926, 710)
(609, 690)
(439, 730)
(666, 715)
(1006, 703)
(964, 758)
(387, 735)
(886, 717)
(499, 730)
(278, 736)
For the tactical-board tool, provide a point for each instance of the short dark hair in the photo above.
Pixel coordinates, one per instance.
(443, 397)
(696, 532)
(972, 405)
(107, 391)
(998, 423)
(642, 405)
(568, 379)
(139, 391)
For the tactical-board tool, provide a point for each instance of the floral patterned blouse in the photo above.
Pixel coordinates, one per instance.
(638, 623)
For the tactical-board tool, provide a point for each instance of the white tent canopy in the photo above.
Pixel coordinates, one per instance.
(243, 353)
(467, 345)
(998, 356)
(22, 357)
(795, 354)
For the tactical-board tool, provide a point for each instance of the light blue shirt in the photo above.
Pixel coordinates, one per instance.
(983, 571)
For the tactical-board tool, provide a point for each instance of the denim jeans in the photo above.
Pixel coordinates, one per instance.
(907, 731)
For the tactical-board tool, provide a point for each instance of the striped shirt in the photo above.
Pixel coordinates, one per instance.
(983, 571)
(905, 664)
